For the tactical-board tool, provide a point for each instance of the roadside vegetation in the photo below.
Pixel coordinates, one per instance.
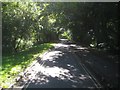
(13, 64)
(28, 28)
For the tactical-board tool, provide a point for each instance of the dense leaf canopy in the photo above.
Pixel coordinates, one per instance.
(25, 24)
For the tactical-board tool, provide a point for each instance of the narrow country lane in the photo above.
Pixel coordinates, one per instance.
(59, 45)
(59, 69)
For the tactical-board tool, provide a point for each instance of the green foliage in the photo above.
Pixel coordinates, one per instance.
(17, 25)
(25, 24)
(13, 64)
(93, 23)
(66, 34)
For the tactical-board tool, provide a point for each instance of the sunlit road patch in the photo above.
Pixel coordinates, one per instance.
(58, 69)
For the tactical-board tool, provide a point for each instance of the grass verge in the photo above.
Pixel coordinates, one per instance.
(12, 65)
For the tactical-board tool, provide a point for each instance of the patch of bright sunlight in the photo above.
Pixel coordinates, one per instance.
(73, 45)
(54, 71)
(7, 79)
(60, 45)
(15, 69)
(51, 55)
(80, 47)
(36, 55)
(50, 71)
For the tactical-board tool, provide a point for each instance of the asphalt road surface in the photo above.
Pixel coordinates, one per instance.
(60, 68)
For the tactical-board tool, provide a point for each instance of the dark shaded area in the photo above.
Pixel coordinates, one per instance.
(93, 24)
(104, 68)
(96, 24)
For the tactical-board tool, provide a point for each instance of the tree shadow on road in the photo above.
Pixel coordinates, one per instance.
(102, 65)
(59, 69)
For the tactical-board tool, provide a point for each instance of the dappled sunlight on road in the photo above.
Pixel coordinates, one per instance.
(70, 47)
(60, 45)
(51, 54)
(58, 69)
(54, 71)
